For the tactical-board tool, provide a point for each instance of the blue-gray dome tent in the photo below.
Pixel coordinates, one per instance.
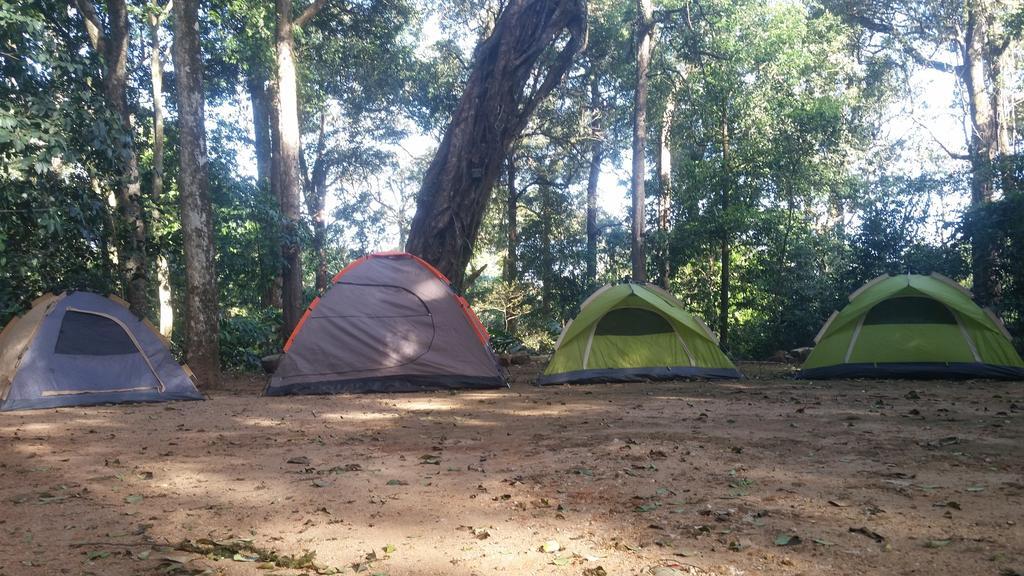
(79, 348)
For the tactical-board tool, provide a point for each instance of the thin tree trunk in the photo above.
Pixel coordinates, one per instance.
(275, 288)
(270, 247)
(644, 25)
(1004, 69)
(546, 260)
(202, 321)
(596, 159)
(490, 115)
(258, 94)
(323, 277)
(113, 46)
(156, 69)
(511, 270)
(665, 190)
(316, 202)
(723, 294)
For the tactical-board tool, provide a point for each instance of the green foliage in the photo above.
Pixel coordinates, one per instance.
(1003, 221)
(57, 158)
(816, 208)
(247, 336)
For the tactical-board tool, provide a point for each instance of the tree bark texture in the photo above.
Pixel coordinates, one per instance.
(642, 40)
(547, 273)
(286, 161)
(596, 159)
(274, 289)
(316, 202)
(723, 291)
(511, 269)
(983, 146)
(202, 329)
(492, 112)
(156, 69)
(261, 96)
(112, 45)
(665, 189)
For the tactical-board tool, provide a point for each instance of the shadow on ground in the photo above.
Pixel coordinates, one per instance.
(707, 477)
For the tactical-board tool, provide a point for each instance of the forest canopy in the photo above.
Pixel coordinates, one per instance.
(215, 163)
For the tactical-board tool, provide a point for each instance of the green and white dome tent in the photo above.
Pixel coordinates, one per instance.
(913, 326)
(630, 332)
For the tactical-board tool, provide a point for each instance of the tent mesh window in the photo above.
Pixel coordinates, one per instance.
(632, 322)
(92, 335)
(909, 310)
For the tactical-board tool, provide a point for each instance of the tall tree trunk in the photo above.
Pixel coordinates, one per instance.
(286, 163)
(982, 147)
(547, 274)
(723, 293)
(986, 48)
(596, 159)
(202, 322)
(263, 145)
(113, 46)
(260, 97)
(1004, 70)
(511, 269)
(156, 69)
(323, 277)
(644, 27)
(490, 115)
(286, 159)
(274, 289)
(665, 189)
(316, 202)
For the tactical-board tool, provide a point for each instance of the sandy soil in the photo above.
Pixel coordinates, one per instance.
(705, 478)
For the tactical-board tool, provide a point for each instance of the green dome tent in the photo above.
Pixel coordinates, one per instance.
(913, 326)
(629, 332)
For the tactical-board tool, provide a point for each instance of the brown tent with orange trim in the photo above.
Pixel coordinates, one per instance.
(390, 322)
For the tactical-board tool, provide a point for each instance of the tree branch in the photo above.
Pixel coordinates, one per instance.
(890, 30)
(953, 155)
(308, 13)
(93, 26)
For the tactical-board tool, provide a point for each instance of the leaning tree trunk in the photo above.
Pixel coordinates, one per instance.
(113, 45)
(596, 159)
(156, 69)
(644, 26)
(492, 112)
(201, 322)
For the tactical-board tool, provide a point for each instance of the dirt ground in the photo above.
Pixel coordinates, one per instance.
(762, 476)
